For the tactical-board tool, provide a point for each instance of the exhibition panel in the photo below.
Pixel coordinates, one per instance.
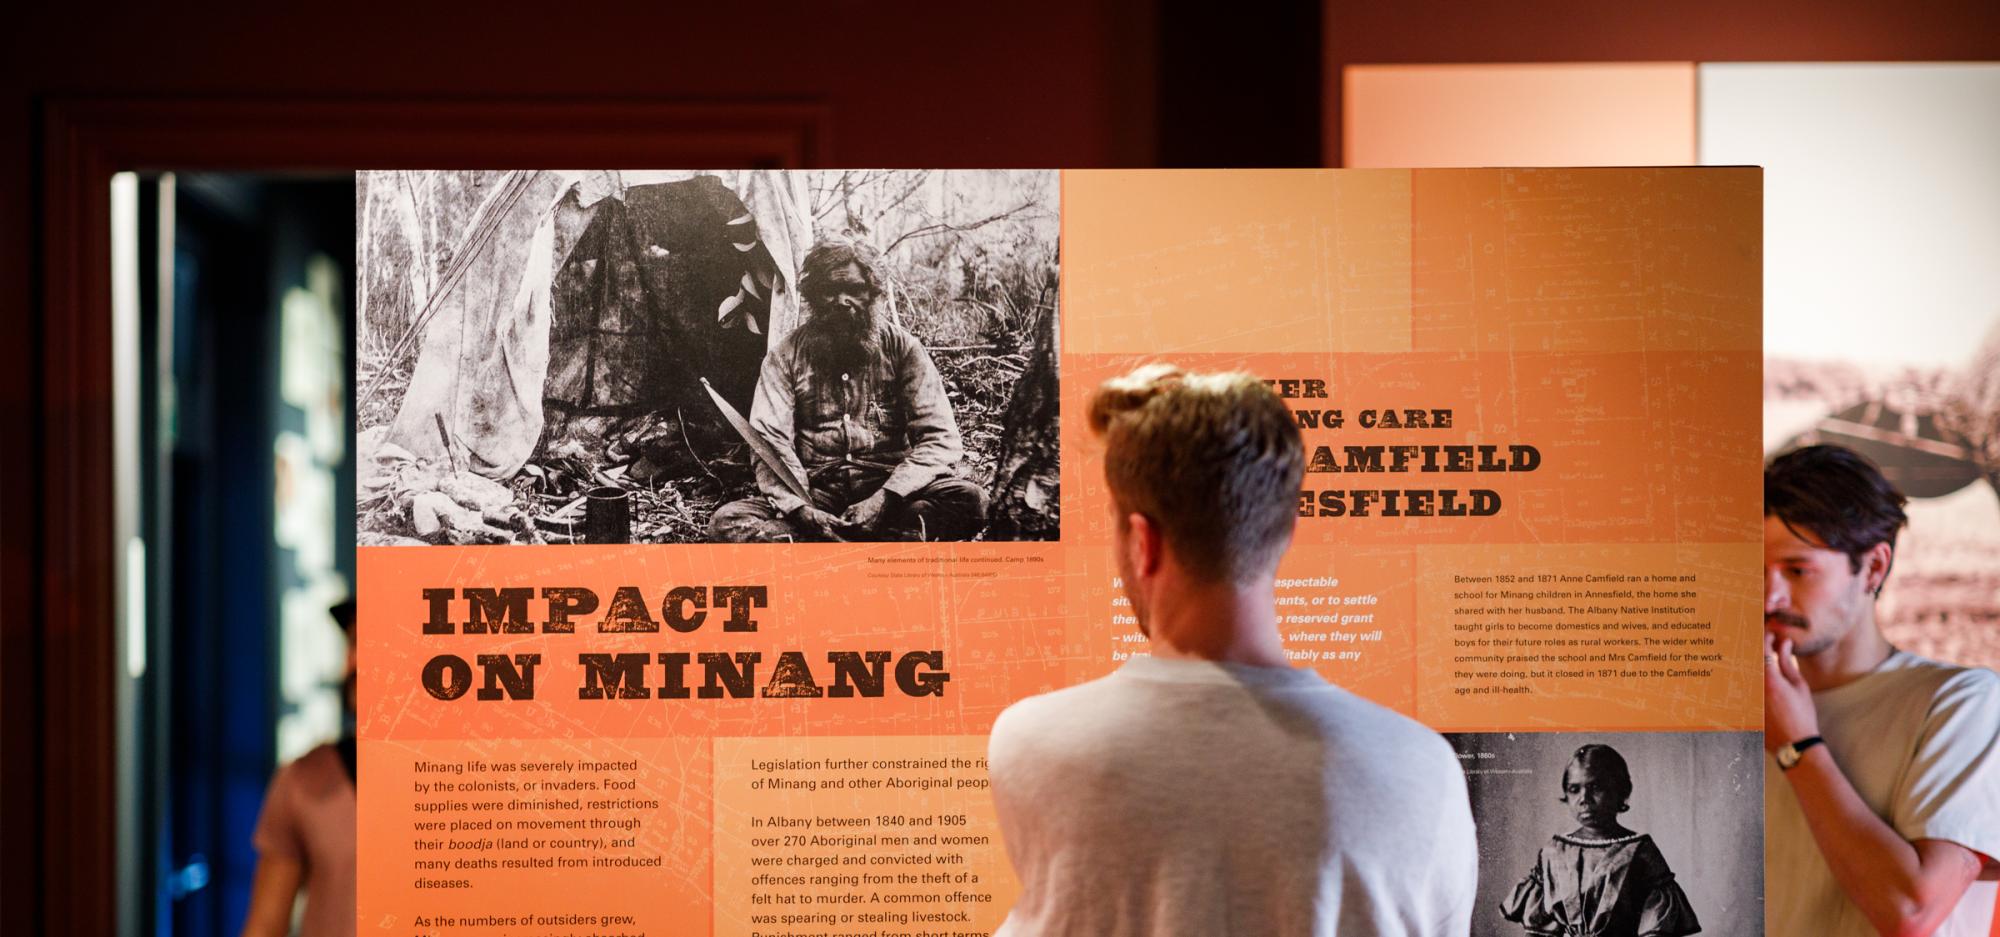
(709, 520)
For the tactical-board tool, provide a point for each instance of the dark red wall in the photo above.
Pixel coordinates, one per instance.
(1031, 83)
(894, 82)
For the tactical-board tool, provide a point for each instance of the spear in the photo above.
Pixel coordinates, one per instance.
(759, 446)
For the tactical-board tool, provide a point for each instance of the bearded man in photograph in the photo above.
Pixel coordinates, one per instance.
(855, 410)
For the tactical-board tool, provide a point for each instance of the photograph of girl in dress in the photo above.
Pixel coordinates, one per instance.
(1600, 878)
(1616, 834)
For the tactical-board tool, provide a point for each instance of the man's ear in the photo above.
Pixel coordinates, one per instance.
(1145, 544)
(1875, 566)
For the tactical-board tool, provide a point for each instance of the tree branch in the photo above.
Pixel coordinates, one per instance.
(943, 228)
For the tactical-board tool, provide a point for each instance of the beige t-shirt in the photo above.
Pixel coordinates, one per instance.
(1917, 739)
(309, 817)
(1179, 798)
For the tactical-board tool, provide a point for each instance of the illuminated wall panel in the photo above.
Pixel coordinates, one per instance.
(1881, 203)
(1622, 114)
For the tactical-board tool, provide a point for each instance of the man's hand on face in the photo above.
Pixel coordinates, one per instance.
(1789, 714)
(867, 513)
(816, 522)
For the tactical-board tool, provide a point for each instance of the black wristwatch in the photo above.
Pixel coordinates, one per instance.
(1789, 755)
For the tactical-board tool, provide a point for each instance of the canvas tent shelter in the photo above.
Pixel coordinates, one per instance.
(1922, 458)
(574, 292)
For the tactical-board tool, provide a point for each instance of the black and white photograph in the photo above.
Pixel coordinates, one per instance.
(739, 356)
(1612, 834)
(1933, 430)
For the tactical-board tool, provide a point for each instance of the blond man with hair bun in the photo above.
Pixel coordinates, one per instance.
(1211, 787)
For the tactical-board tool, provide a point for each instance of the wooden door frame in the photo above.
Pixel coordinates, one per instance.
(57, 572)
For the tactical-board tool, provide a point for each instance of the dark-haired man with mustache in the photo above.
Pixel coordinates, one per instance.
(1882, 801)
(855, 409)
